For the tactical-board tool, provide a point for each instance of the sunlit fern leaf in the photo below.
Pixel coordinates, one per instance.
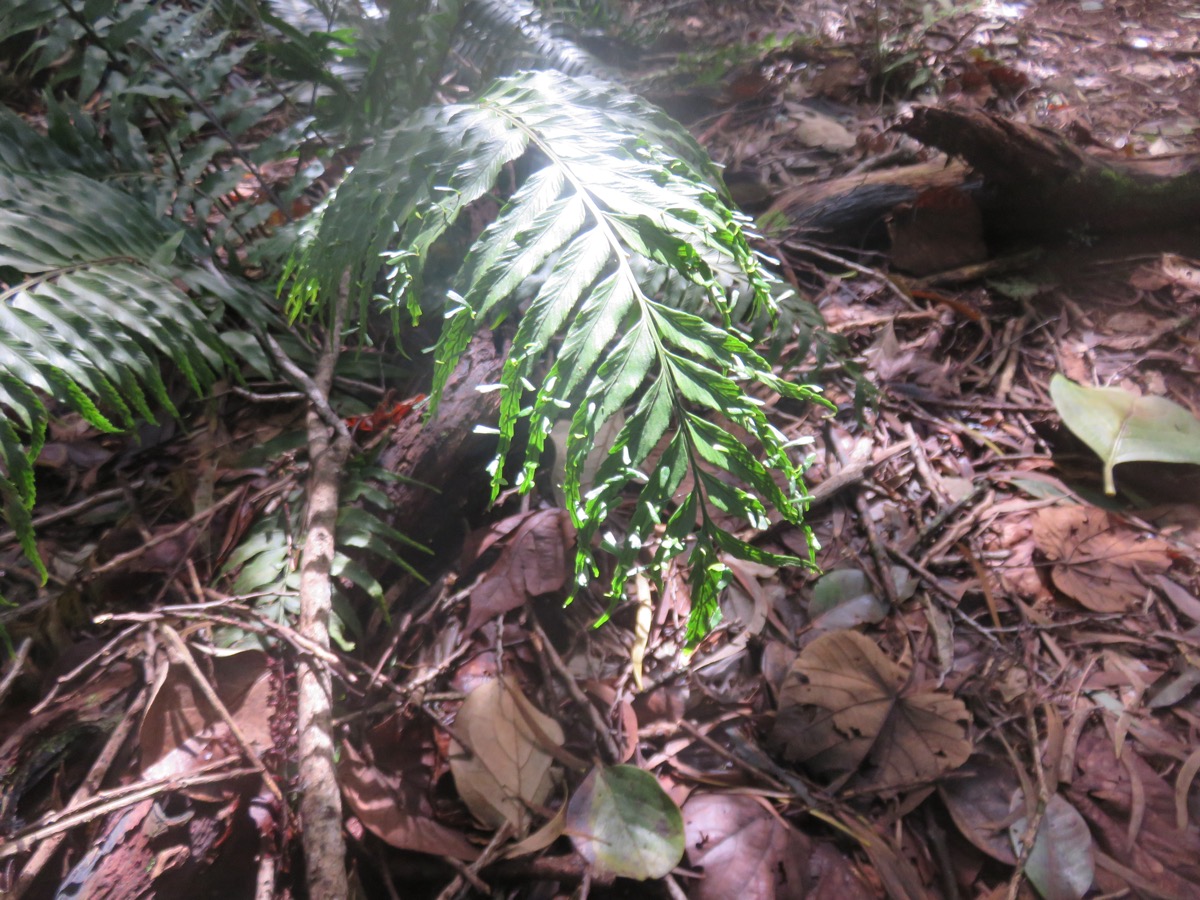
(618, 182)
(503, 35)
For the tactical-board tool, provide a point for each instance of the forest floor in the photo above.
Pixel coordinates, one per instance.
(991, 690)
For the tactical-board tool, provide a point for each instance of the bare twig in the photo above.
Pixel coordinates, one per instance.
(91, 783)
(320, 799)
(602, 728)
(878, 551)
(68, 512)
(184, 656)
(18, 663)
(89, 665)
(470, 874)
(882, 277)
(316, 392)
(1034, 825)
(110, 801)
(122, 558)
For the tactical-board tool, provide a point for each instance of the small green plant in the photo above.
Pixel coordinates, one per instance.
(900, 58)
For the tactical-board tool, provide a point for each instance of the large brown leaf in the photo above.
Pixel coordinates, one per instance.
(1096, 559)
(508, 766)
(533, 562)
(846, 710)
(744, 850)
(395, 806)
(979, 799)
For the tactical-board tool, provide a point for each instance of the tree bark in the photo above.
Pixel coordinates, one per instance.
(445, 454)
(1027, 183)
(1038, 183)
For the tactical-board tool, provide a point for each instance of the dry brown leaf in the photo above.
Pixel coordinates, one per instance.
(182, 732)
(1168, 270)
(1096, 559)
(533, 562)
(744, 850)
(395, 806)
(1110, 792)
(543, 837)
(846, 709)
(979, 798)
(507, 769)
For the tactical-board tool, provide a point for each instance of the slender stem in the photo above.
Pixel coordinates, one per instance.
(320, 798)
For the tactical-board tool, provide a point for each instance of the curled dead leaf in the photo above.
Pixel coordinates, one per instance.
(1096, 559)
(387, 804)
(846, 710)
(533, 562)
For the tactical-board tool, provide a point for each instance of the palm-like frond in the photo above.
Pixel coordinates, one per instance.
(504, 35)
(618, 182)
(92, 299)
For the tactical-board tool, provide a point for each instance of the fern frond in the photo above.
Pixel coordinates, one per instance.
(90, 304)
(504, 35)
(624, 203)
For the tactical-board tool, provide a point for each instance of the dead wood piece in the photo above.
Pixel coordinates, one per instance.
(1037, 183)
(1024, 181)
(445, 455)
(851, 212)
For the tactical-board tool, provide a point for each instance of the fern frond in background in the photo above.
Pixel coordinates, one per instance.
(616, 181)
(532, 41)
(264, 567)
(94, 293)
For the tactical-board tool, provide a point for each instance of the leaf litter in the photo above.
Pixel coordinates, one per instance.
(863, 735)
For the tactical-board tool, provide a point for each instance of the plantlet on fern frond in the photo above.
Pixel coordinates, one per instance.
(617, 233)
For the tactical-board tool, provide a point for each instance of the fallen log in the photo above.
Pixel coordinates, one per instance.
(1003, 182)
(1037, 183)
(445, 457)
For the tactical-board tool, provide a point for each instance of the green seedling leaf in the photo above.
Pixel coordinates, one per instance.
(625, 825)
(1061, 864)
(1122, 427)
(845, 598)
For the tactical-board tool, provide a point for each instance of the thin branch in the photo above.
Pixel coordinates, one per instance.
(317, 396)
(18, 663)
(91, 783)
(118, 798)
(184, 656)
(320, 798)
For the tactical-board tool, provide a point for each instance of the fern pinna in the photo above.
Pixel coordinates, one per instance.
(621, 230)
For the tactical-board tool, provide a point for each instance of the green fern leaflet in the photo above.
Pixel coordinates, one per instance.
(608, 249)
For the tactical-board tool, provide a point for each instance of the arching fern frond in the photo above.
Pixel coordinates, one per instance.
(623, 200)
(503, 35)
(91, 301)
